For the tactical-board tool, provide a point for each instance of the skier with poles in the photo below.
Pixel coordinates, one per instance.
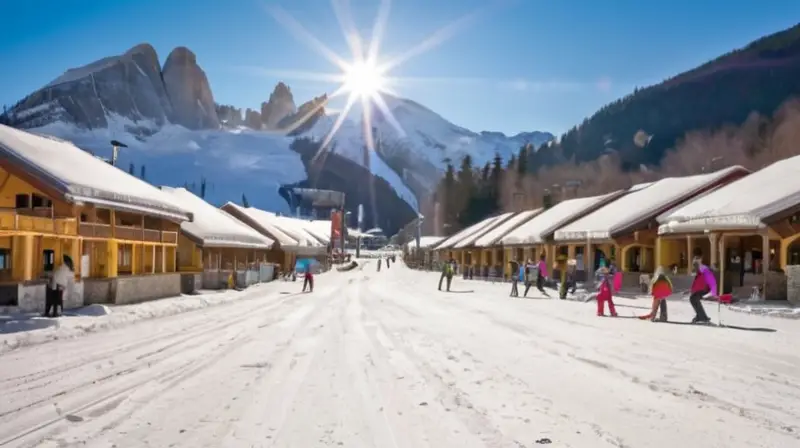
(448, 270)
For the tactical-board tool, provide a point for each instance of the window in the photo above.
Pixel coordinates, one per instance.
(23, 201)
(5, 259)
(49, 259)
(124, 254)
(39, 201)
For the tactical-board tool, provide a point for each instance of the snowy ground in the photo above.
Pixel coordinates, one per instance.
(382, 359)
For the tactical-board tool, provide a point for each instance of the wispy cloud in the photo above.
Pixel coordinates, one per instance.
(604, 84)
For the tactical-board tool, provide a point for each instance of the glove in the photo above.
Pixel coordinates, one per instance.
(708, 296)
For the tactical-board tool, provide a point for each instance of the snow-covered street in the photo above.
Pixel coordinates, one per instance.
(382, 359)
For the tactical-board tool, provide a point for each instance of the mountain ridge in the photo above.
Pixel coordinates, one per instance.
(168, 116)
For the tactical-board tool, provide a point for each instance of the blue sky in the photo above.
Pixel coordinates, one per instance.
(523, 65)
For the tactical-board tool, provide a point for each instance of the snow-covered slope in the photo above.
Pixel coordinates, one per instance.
(233, 163)
(424, 142)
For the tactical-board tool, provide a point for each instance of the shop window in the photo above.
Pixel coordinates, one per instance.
(5, 259)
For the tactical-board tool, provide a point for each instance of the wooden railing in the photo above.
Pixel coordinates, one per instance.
(128, 233)
(152, 235)
(94, 230)
(34, 220)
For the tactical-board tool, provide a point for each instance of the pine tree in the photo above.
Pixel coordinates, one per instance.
(142, 173)
(512, 163)
(203, 188)
(245, 204)
(522, 160)
(131, 169)
(547, 199)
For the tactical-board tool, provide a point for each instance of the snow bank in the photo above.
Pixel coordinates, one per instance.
(215, 227)
(28, 329)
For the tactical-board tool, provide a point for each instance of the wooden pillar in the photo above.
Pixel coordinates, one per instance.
(657, 258)
(689, 255)
(712, 239)
(112, 258)
(153, 267)
(588, 258)
(766, 261)
(722, 261)
(163, 259)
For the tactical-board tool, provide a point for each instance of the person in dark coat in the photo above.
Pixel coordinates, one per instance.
(514, 266)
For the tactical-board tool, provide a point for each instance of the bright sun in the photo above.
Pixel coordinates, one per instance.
(364, 79)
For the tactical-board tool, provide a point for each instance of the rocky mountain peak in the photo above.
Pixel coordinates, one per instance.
(280, 105)
(189, 91)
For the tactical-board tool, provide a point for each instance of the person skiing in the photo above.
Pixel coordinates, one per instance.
(660, 289)
(605, 289)
(514, 269)
(568, 283)
(704, 286)
(447, 273)
(536, 273)
(309, 277)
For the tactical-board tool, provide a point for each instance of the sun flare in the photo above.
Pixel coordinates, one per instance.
(364, 79)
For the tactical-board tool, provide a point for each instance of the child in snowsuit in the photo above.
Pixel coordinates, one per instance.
(660, 289)
(447, 274)
(703, 287)
(605, 289)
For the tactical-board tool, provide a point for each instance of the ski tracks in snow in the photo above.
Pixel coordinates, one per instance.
(384, 360)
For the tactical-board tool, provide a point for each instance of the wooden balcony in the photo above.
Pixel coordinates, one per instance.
(153, 236)
(36, 220)
(169, 237)
(94, 230)
(130, 233)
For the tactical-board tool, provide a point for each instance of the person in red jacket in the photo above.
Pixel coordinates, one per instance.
(605, 289)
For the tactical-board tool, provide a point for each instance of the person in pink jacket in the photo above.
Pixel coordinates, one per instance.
(704, 286)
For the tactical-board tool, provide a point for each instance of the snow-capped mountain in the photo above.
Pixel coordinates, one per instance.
(173, 127)
(418, 142)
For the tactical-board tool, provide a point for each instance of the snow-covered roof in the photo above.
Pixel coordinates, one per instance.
(455, 239)
(264, 222)
(540, 227)
(424, 242)
(747, 203)
(641, 205)
(470, 239)
(299, 230)
(492, 237)
(81, 177)
(213, 226)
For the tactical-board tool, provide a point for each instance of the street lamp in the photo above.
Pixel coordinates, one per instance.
(116, 145)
